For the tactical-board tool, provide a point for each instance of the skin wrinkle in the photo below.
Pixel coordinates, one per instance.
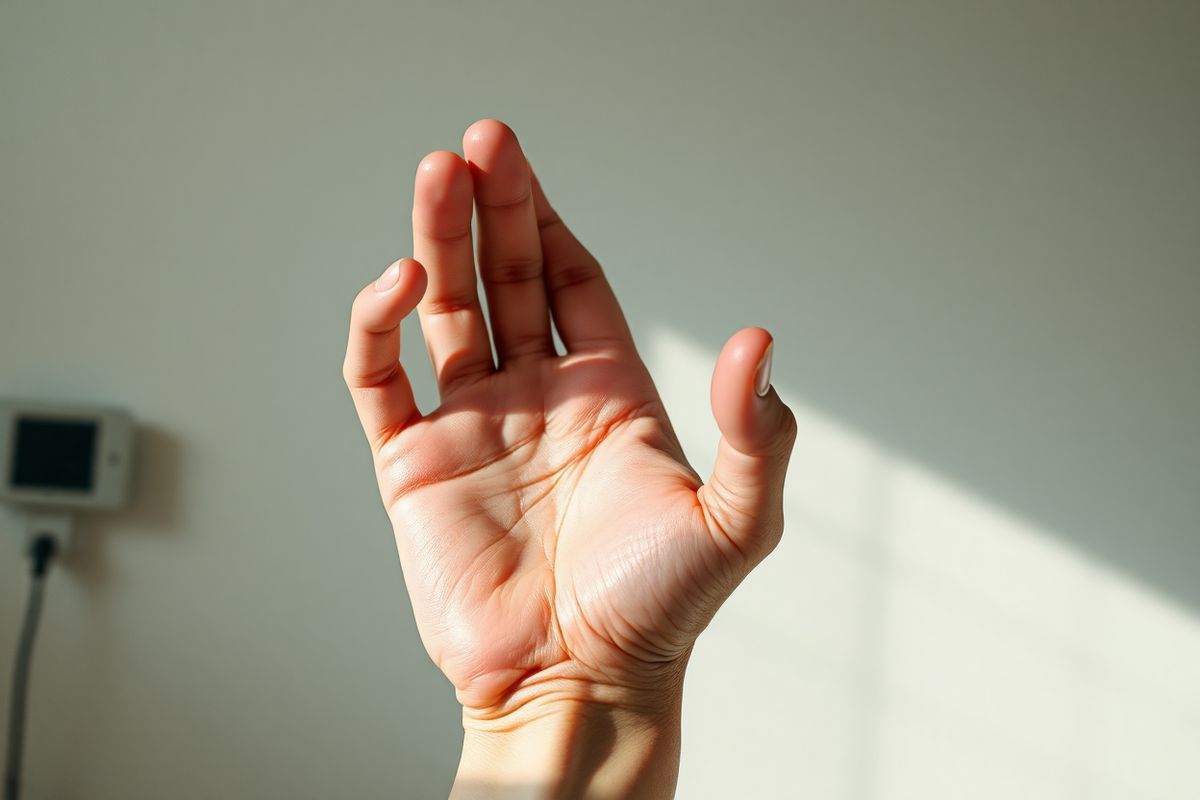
(542, 691)
(388, 433)
(664, 651)
(582, 466)
(525, 197)
(393, 453)
(452, 305)
(555, 592)
(405, 488)
(512, 270)
(710, 507)
(523, 347)
(379, 378)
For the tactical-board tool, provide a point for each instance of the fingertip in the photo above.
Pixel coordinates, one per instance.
(385, 301)
(413, 275)
(443, 175)
(740, 389)
(740, 359)
(747, 345)
(497, 163)
(439, 161)
(443, 194)
(485, 133)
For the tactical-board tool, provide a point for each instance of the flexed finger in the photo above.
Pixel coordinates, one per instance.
(372, 370)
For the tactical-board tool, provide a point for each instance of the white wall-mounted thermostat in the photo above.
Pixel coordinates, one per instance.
(64, 456)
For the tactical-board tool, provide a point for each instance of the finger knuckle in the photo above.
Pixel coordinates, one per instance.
(452, 303)
(514, 270)
(571, 275)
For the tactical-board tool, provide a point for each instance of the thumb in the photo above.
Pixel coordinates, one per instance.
(743, 499)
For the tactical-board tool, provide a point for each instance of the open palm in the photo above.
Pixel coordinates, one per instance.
(552, 535)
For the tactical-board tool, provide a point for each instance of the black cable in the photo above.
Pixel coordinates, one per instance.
(40, 554)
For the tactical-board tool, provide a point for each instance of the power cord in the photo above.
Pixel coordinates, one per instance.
(41, 553)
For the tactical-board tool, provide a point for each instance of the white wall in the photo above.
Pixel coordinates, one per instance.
(972, 228)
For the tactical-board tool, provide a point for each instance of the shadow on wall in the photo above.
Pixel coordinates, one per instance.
(917, 641)
(154, 509)
(95, 643)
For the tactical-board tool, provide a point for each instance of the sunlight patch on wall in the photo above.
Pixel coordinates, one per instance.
(909, 639)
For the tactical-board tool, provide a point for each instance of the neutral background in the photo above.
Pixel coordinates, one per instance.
(973, 228)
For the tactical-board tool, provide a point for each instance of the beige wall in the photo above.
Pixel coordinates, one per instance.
(972, 227)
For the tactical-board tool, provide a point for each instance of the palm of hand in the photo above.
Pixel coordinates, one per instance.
(558, 525)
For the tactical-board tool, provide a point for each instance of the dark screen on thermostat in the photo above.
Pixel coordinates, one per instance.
(54, 454)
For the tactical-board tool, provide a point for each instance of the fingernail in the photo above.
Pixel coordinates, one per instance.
(388, 279)
(762, 376)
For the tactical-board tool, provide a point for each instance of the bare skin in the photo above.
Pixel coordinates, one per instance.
(560, 553)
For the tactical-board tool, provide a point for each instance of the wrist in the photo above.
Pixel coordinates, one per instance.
(565, 738)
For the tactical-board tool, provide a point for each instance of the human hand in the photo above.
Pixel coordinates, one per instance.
(558, 549)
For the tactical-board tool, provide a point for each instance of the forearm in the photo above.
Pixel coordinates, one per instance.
(573, 748)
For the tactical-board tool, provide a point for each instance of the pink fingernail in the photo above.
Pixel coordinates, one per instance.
(388, 279)
(762, 376)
